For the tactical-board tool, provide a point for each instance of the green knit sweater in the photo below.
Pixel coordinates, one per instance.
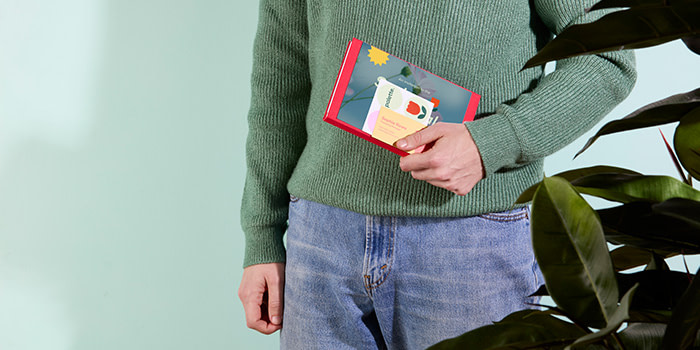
(523, 116)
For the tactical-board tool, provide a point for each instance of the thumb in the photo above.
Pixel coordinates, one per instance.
(275, 302)
(419, 138)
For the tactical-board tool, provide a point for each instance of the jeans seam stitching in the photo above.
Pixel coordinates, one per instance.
(504, 218)
(369, 220)
(390, 254)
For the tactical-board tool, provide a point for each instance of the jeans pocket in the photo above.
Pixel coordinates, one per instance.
(517, 214)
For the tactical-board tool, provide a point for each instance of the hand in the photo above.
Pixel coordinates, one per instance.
(262, 293)
(450, 160)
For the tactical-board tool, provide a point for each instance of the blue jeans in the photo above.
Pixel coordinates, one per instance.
(369, 282)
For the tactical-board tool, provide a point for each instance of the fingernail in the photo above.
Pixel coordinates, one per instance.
(276, 319)
(401, 143)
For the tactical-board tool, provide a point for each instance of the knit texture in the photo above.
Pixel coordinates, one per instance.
(523, 116)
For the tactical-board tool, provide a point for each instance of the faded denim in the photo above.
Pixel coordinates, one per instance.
(367, 282)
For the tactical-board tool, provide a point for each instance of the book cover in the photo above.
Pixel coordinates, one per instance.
(381, 98)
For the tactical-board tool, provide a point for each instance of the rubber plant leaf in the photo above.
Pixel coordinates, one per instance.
(686, 141)
(571, 175)
(669, 110)
(626, 188)
(657, 263)
(658, 290)
(620, 315)
(606, 4)
(672, 225)
(634, 28)
(526, 329)
(572, 253)
(643, 335)
(627, 257)
(682, 331)
(693, 43)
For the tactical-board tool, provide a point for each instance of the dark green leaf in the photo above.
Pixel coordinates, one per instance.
(538, 317)
(620, 315)
(669, 110)
(680, 208)
(629, 188)
(693, 43)
(571, 175)
(657, 263)
(685, 321)
(643, 336)
(571, 251)
(658, 290)
(687, 142)
(634, 28)
(540, 292)
(672, 225)
(627, 257)
(649, 316)
(606, 4)
(527, 329)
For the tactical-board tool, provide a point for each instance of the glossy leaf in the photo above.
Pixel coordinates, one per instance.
(685, 322)
(629, 188)
(680, 208)
(620, 315)
(540, 292)
(627, 257)
(673, 225)
(669, 110)
(626, 188)
(527, 329)
(573, 256)
(643, 335)
(606, 4)
(687, 143)
(657, 263)
(571, 175)
(634, 28)
(649, 316)
(658, 290)
(535, 317)
(693, 43)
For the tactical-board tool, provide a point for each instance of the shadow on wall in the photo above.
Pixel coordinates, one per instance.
(120, 172)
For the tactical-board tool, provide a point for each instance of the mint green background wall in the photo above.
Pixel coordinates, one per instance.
(122, 128)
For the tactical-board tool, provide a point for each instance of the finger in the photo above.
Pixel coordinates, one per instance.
(460, 189)
(421, 161)
(253, 315)
(447, 185)
(254, 319)
(420, 138)
(431, 174)
(275, 302)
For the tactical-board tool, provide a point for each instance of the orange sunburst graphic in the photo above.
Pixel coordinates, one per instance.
(377, 56)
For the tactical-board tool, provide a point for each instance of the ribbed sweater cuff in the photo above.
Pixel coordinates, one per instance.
(496, 140)
(263, 245)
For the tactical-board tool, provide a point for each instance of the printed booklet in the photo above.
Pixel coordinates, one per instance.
(382, 98)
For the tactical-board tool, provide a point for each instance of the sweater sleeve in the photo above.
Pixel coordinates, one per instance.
(280, 88)
(564, 104)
